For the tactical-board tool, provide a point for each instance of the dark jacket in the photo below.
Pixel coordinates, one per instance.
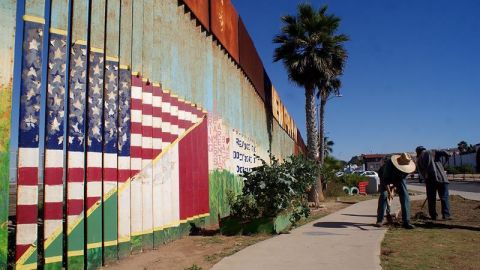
(388, 174)
(430, 166)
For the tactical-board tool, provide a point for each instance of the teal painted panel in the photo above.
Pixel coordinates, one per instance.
(126, 32)
(113, 28)
(137, 36)
(97, 25)
(59, 17)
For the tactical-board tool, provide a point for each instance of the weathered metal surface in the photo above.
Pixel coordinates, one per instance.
(200, 10)
(224, 25)
(250, 61)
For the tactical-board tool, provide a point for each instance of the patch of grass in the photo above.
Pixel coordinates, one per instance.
(356, 198)
(194, 267)
(449, 244)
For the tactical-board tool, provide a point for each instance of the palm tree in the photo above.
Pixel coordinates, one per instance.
(328, 146)
(310, 51)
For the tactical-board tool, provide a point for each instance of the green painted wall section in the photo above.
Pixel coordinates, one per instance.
(5, 109)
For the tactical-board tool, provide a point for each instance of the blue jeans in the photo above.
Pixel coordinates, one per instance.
(433, 187)
(404, 201)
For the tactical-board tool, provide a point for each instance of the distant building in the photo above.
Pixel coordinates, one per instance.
(372, 162)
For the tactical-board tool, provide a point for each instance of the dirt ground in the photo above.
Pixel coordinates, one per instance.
(204, 251)
(450, 244)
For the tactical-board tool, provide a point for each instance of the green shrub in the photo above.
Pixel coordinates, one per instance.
(275, 188)
(334, 189)
(465, 168)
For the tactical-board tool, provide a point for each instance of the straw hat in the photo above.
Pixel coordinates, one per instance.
(404, 163)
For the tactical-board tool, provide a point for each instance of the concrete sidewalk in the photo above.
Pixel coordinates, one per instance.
(342, 240)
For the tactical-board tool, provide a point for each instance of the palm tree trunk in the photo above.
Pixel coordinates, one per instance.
(321, 139)
(316, 193)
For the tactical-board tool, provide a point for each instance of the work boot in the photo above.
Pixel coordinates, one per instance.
(408, 226)
(378, 224)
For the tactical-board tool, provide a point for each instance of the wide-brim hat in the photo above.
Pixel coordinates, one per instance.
(404, 163)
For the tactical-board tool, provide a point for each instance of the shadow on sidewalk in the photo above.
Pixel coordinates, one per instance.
(343, 225)
(355, 215)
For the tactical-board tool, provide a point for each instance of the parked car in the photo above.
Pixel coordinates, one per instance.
(369, 173)
(373, 182)
(339, 174)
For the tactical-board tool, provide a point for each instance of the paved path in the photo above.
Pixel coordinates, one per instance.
(467, 190)
(342, 240)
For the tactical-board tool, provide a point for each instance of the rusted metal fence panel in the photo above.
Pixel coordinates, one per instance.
(250, 61)
(224, 25)
(201, 11)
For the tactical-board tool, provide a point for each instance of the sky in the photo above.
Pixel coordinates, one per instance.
(412, 77)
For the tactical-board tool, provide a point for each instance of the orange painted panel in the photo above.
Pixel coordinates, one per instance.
(224, 25)
(200, 9)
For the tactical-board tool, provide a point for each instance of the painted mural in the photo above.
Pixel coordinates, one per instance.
(125, 139)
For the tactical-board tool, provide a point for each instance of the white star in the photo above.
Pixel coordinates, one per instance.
(124, 137)
(70, 139)
(84, 51)
(60, 139)
(95, 111)
(96, 70)
(96, 89)
(36, 107)
(33, 45)
(61, 114)
(32, 72)
(57, 78)
(51, 65)
(112, 95)
(57, 100)
(78, 85)
(100, 60)
(30, 94)
(77, 105)
(111, 112)
(79, 62)
(112, 77)
(63, 67)
(30, 121)
(55, 125)
(96, 130)
(75, 127)
(124, 84)
(58, 54)
(50, 88)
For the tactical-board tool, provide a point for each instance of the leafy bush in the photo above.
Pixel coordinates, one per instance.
(334, 189)
(352, 180)
(271, 189)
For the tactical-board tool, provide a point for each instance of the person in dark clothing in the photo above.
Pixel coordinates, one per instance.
(395, 171)
(431, 168)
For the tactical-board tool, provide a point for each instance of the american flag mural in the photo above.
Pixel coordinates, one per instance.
(28, 151)
(54, 141)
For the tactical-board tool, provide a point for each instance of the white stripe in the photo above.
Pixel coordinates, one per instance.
(174, 129)
(166, 107)
(109, 160)
(136, 92)
(53, 193)
(28, 157)
(157, 122)
(174, 111)
(182, 115)
(75, 191)
(124, 213)
(94, 189)
(157, 101)
(136, 116)
(27, 195)
(147, 200)
(147, 98)
(123, 163)
(136, 205)
(188, 116)
(165, 144)
(26, 234)
(108, 186)
(50, 226)
(146, 162)
(136, 163)
(147, 142)
(94, 159)
(75, 159)
(72, 218)
(166, 127)
(147, 120)
(157, 143)
(53, 158)
(181, 131)
(136, 139)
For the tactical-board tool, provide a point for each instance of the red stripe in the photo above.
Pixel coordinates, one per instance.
(184, 124)
(94, 173)
(147, 87)
(27, 214)
(20, 250)
(147, 153)
(157, 132)
(91, 201)
(136, 128)
(53, 176)
(53, 210)
(135, 151)
(123, 175)
(147, 109)
(156, 152)
(27, 176)
(147, 131)
(74, 207)
(136, 104)
(136, 81)
(110, 174)
(134, 172)
(75, 175)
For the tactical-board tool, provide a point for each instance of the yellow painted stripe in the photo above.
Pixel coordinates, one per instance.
(167, 91)
(156, 84)
(110, 243)
(173, 95)
(112, 58)
(188, 102)
(144, 80)
(74, 253)
(94, 245)
(97, 50)
(58, 31)
(181, 100)
(26, 266)
(80, 42)
(124, 239)
(53, 259)
(31, 18)
(126, 67)
(21, 261)
(135, 73)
